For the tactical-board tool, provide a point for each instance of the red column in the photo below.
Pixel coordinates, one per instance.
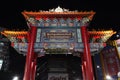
(33, 67)
(30, 53)
(86, 54)
(84, 70)
(85, 67)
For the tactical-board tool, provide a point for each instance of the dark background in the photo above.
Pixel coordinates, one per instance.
(107, 11)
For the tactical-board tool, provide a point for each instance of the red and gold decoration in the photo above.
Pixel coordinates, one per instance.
(110, 61)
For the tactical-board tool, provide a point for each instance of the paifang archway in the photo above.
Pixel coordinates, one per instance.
(55, 30)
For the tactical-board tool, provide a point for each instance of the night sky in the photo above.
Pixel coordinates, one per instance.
(107, 17)
(107, 12)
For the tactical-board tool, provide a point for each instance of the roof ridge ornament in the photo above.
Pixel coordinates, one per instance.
(58, 9)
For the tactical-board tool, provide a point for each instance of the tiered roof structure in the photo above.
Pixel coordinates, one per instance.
(61, 26)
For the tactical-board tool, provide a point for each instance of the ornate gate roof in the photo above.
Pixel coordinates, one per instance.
(58, 31)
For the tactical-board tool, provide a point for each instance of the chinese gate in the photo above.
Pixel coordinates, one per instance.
(55, 31)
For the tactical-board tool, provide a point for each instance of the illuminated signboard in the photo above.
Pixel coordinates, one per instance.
(58, 35)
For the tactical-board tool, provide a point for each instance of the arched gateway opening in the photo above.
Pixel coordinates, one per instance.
(59, 67)
(52, 35)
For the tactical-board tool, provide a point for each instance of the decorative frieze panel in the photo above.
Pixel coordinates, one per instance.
(66, 48)
(57, 22)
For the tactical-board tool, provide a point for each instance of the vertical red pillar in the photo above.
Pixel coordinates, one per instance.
(83, 68)
(84, 71)
(30, 53)
(33, 67)
(86, 54)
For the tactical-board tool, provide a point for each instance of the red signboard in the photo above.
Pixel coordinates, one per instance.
(111, 61)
